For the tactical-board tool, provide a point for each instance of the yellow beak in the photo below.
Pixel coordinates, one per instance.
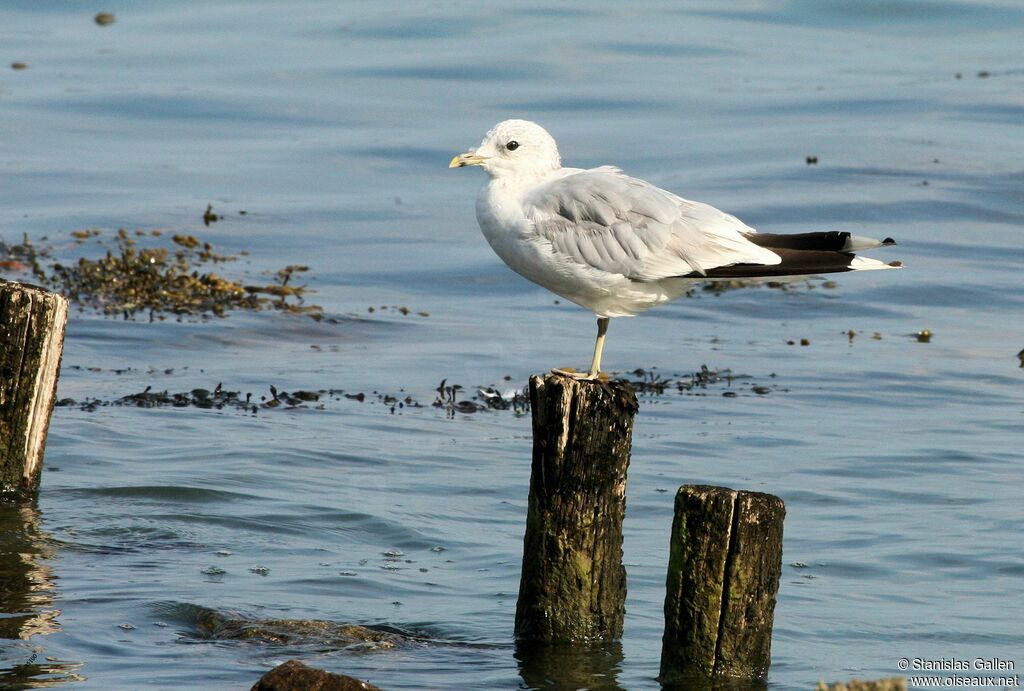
(467, 159)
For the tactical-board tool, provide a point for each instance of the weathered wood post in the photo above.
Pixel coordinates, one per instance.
(573, 584)
(725, 561)
(32, 322)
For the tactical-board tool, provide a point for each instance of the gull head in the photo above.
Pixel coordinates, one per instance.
(513, 148)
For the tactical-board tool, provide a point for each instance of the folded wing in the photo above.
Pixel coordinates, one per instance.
(617, 224)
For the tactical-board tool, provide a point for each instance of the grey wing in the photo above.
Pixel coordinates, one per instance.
(614, 223)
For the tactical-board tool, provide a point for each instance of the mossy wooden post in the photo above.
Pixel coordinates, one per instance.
(32, 323)
(573, 585)
(725, 561)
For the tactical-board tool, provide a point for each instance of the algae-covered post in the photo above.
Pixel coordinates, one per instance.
(725, 561)
(573, 584)
(32, 322)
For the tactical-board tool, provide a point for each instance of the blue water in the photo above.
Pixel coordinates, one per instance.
(331, 125)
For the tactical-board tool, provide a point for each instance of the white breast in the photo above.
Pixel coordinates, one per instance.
(511, 236)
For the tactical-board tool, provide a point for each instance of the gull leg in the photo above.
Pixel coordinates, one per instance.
(595, 365)
(602, 329)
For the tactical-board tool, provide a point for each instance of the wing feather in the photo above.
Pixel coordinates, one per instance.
(618, 224)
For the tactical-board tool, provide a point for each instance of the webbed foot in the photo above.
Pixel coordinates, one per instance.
(580, 376)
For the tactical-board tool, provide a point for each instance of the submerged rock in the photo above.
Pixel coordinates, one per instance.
(296, 676)
(215, 625)
(891, 684)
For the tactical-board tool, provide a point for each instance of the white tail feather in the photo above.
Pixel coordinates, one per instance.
(868, 264)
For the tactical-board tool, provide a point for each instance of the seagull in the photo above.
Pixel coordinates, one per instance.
(618, 245)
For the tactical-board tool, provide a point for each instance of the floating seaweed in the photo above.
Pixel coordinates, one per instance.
(650, 382)
(209, 216)
(487, 398)
(516, 400)
(405, 311)
(220, 398)
(453, 399)
(176, 279)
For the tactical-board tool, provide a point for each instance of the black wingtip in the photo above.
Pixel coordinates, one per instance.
(888, 241)
(896, 264)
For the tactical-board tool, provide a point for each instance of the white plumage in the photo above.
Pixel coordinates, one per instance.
(618, 245)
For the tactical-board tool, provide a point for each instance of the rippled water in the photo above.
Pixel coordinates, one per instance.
(331, 125)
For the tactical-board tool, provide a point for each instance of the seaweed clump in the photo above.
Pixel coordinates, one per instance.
(652, 383)
(176, 279)
(489, 398)
(221, 398)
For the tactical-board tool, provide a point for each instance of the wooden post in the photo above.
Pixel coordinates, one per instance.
(725, 561)
(573, 584)
(32, 323)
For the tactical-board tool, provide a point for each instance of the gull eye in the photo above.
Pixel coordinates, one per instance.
(512, 145)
